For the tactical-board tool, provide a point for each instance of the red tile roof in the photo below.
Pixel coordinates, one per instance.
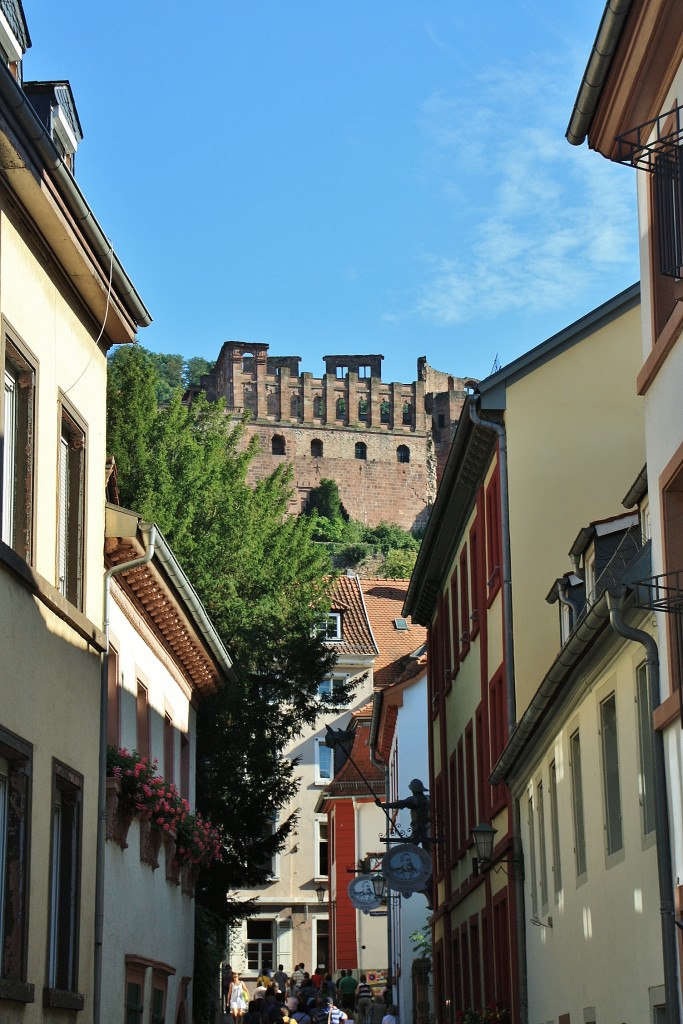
(384, 602)
(357, 635)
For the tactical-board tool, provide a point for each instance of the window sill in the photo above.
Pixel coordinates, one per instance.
(17, 991)
(50, 596)
(61, 1000)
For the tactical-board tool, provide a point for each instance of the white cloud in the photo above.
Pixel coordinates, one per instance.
(535, 218)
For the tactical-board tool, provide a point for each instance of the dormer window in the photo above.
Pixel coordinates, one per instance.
(54, 104)
(13, 40)
(589, 574)
(566, 623)
(330, 628)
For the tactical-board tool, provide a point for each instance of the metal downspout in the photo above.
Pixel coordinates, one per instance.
(509, 649)
(664, 870)
(151, 532)
(574, 606)
(384, 767)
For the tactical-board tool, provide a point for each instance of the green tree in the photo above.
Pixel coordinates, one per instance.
(194, 368)
(265, 584)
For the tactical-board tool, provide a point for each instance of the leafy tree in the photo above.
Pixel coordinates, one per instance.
(265, 584)
(194, 368)
(397, 564)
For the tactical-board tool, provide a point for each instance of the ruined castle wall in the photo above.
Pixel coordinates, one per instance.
(373, 489)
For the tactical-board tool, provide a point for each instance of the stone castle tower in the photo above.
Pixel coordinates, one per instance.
(385, 444)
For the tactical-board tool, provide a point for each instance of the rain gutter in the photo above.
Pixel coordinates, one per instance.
(597, 69)
(15, 98)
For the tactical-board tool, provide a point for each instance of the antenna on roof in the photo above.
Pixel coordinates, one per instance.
(496, 364)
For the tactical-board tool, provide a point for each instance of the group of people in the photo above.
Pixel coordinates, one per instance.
(303, 998)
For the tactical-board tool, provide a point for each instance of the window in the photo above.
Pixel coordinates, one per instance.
(70, 525)
(318, 406)
(471, 781)
(493, 536)
(407, 414)
(403, 453)
(464, 604)
(577, 804)
(259, 944)
(610, 774)
(158, 1015)
(646, 775)
(330, 628)
(455, 622)
(322, 940)
(16, 482)
(15, 784)
(341, 371)
(317, 449)
(185, 765)
(142, 739)
(363, 409)
(668, 196)
(340, 408)
(327, 686)
(543, 860)
(64, 907)
(135, 982)
(114, 699)
(361, 451)
(324, 763)
(385, 412)
(169, 751)
(555, 827)
(295, 406)
(474, 581)
(248, 364)
(277, 445)
(566, 622)
(533, 881)
(364, 372)
(321, 848)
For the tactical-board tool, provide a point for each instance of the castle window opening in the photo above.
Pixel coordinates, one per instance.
(295, 406)
(385, 412)
(361, 450)
(341, 408)
(403, 453)
(317, 449)
(318, 406)
(363, 409)
(248, 364)
(341, 372)
(442, 420)
(277, 445)
(407, 414)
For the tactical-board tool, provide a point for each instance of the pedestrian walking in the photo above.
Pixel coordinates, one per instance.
(238, 997)
(363, 999)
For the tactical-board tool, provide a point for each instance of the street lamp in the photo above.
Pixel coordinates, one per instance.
(379, 886)
(321, 892)
(483, 836)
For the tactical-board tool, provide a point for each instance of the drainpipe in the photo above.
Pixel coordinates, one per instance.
(566, 600)
(384, 768)
(509, 649)
(615, 602)
(150, 530)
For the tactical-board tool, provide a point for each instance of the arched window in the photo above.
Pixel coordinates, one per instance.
(318, 406)
(341, 408)
(317, 449)
(361, 450)
(403, 453)
(277, 445)
(407, 414)
(385, 412)
(363, 409)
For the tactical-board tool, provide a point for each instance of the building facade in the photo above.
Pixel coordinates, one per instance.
(58, 318)
(628, 109)
(505, 505)
(383, 443)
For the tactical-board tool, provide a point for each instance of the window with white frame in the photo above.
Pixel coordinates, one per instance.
(610, 774)
(331, 684)
(259, 944)
(330, 628)
(324, 763)
(577, 804)
(321, 848)
(543, 860)
(646, 775)
(70, 525)
(555, 830)
(16, 479)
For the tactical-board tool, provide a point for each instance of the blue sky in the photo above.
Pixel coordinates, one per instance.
(340, 176)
